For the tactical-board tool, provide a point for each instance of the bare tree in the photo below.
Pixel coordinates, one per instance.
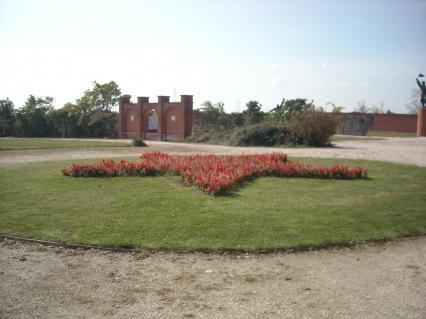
(362, 107)
(414, 102)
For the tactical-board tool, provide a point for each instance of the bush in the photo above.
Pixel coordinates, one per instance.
(261, 134)
(312, 127)
(138, 142)
(208, 135)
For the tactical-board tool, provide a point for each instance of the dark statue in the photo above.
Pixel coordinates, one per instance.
(422, 87)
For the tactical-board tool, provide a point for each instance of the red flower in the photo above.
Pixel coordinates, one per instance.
(212, 173)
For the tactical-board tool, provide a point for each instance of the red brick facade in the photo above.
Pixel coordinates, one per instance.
(421, 122)
(406, 123)
(163, 121)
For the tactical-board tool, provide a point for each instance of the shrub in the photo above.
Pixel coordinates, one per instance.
(138, 142)
(210, 135)
(261, 134)
(312, 127)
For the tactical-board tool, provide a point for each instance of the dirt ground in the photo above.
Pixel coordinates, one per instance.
(396, 149)
(377, 281)
(374, 281)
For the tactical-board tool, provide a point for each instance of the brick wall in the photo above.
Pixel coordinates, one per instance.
(406, 123)
(360, 123)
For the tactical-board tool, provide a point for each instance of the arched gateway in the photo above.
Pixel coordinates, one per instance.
(163, 121)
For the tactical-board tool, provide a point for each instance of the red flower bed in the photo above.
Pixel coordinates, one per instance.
(213, 173)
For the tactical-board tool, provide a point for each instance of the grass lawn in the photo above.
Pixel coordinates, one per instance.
(160, 213)
(13, 143)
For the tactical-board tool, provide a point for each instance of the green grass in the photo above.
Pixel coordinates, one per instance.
(13, 143)
(263, 214)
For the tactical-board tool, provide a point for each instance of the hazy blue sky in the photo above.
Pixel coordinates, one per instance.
(231, 51)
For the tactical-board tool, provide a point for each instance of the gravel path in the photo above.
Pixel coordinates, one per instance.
(397, 150)
(379, 281)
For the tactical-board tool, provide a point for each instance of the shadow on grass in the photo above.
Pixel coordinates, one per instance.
(234, 190)
(132, 248)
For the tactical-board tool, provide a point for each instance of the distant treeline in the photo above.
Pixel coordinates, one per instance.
(89, 116)
(293, 121)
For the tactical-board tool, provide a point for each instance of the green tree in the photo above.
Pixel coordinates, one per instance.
(287, 108)
(278, 113)
(101, 98)
(104, 124)
(57, 120)
(72, 120)
(213, 115)
(90, 115)
(253, 113)
(7, 117)
(335, 108)
(237, 118)
(31, 119)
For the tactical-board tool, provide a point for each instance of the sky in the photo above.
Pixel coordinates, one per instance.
(233, 51)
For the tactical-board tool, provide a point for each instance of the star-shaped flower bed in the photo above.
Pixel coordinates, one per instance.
(213, 173)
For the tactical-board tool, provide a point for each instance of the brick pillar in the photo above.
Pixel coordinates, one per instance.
(141, 101)
(187, 102)
(421, 122)
(121, 116)
(162, 99)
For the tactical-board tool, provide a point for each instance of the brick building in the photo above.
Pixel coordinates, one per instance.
(162, 121)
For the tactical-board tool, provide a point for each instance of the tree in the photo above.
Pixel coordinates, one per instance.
(362, 107)
(253, 113)
(378, 109)
(90, 115)
(288, 108)
(31, 119)
(414, 102)
(104, 124)
(375, 109)
(57, 119)
(335, 108)
(278, 113)
(213, 115)
(7, 117)
(101, 98)
(237, 118)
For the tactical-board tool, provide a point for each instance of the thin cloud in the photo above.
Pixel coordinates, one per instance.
(305, 64)
(275, 66)
(341, 84)
(351, 84)
(278, 81)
